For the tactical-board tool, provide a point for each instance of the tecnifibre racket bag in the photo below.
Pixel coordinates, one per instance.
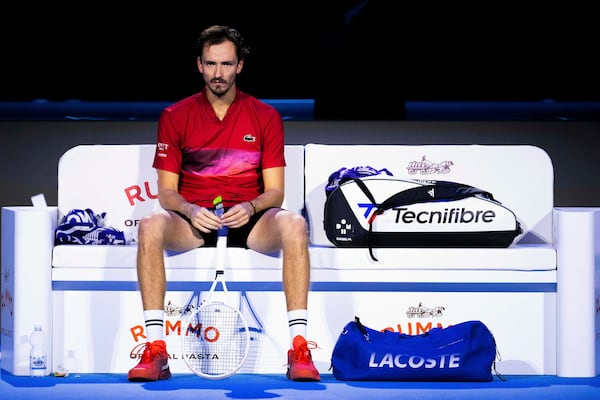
(380, 211)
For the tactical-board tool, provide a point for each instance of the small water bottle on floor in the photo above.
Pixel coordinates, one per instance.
(37, 354)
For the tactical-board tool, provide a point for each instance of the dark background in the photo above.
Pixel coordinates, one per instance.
(356, 63)
(358, 60)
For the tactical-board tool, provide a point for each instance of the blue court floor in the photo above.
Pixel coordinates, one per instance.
(255, 386)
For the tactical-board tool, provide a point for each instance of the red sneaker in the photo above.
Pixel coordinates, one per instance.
(154, 364)
(300, 365)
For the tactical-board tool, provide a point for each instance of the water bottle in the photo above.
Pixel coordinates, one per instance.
(37, 355)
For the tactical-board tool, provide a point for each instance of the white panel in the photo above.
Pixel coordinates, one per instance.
(519, 176)
(120, 180)
(578, 291)
(26, 282)
(521, 323)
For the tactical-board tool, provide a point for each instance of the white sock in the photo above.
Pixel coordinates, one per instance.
(297, 321)
(155, 324)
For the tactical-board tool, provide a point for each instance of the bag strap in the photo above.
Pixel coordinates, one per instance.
(344, 174)
(435, 191)
(361, 328)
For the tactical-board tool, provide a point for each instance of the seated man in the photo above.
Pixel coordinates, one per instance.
(221, 142)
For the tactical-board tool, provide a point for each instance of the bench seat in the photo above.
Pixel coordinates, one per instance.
(532, 257)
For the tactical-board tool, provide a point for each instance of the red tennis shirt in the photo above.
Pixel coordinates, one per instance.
(214, 157)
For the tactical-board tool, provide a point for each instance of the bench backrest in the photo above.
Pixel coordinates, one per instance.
(120, 180)
(519, 176)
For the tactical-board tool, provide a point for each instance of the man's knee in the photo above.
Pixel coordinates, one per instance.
(297, 228)
(150, 227)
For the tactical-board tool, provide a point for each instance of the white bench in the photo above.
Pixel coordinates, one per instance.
(527, 293)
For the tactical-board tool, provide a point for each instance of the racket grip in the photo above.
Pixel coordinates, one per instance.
(219, 210)
(218, 205)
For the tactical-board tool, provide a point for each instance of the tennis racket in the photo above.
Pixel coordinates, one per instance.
(216, 338)
(264, 352)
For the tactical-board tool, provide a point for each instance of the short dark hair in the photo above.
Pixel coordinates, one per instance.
(218, 34)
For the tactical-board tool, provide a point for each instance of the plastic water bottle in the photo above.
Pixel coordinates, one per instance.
(37, 355)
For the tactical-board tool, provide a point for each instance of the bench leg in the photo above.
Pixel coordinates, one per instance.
(577, 239)
(27, 242)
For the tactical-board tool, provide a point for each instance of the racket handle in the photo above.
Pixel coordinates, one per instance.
(219, 210)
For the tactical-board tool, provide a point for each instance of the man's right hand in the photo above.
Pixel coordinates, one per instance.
(204, 219)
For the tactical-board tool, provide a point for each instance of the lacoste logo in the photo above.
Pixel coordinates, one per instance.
(249, 138)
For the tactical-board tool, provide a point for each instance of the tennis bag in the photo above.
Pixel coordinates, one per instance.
(461, 352)
(383, 211)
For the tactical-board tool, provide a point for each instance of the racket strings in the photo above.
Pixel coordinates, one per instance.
(264, 353)
(215, 341)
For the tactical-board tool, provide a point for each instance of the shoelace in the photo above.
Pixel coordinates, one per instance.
(143, 348)
(303, 351)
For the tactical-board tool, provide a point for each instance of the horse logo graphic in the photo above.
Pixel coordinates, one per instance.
(426, 167)
(423, 312)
